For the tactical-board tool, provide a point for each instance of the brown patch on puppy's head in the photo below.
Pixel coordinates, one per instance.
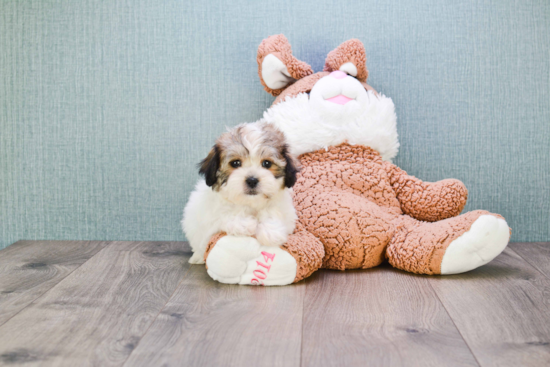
(209, 166)
(275, 139)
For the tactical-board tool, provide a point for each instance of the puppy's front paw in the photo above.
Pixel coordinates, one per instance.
(245, 226)
(271, 233)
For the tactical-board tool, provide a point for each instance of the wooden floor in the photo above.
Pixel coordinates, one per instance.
(141, 304)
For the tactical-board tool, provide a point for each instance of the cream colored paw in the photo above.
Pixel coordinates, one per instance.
(242, 260)
(271, 233)
(242, 227)
(486, 239)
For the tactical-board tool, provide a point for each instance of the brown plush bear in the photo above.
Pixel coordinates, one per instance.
(355, 208)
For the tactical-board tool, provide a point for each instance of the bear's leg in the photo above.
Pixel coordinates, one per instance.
(354, 230)
(451, 246)
(242, 260)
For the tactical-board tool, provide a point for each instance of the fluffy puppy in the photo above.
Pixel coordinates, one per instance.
(246, 190)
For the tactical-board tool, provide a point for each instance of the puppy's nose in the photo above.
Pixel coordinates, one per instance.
(252, 182)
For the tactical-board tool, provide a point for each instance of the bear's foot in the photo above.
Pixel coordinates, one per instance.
(242, 260)
(450, 246)
(485, 240)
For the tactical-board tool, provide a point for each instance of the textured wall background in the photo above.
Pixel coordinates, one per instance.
(106, 106)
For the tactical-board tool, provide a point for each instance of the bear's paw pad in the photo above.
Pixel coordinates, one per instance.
(485, 240)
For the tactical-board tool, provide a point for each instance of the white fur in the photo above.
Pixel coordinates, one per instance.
(234, 260)
(208, 212)
(311, 123)
(266, 211)
(486, 239)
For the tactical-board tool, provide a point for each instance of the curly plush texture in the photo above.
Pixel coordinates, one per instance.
(279, 46)
(355, 209)
(350, 51)
(303, 85)
(308, 252)
(359, 207)
(353, 230)
(418, 247)
(338, 198)
(355, 169)
(427, 201)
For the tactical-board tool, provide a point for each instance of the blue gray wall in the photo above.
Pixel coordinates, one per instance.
(106, 106)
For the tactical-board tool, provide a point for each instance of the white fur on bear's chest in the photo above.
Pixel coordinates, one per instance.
(313, 125)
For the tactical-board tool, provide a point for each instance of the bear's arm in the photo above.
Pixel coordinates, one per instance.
(427, 201)
(304, 248)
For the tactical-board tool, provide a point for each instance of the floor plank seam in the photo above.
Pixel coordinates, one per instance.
(529, 263)
(55, 285)
(155, 318)
(302, 328)
(455, 325)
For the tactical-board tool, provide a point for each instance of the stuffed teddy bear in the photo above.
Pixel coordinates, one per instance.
(355, 208)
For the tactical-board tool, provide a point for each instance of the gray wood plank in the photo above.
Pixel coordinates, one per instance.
(28, 269)
(97, 314)
(535, 253)
(207, 323)
(378, 317)
(502, 310)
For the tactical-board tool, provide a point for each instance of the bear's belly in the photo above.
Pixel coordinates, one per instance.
(354, 169)
(344, 198)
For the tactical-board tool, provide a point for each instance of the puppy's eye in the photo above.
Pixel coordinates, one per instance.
(236, 163)
(266, 164)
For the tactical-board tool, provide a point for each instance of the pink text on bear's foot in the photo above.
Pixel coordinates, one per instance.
(262, 269)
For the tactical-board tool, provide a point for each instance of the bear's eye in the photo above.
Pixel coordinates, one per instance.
(348, 74)
(235, 163)
(266, 164)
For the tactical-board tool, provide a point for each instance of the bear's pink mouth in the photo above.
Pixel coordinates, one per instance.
(340, 99)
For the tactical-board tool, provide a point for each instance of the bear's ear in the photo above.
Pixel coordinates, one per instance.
(276, 65)
(350, 58)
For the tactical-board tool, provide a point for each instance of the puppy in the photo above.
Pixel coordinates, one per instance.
(246, 190)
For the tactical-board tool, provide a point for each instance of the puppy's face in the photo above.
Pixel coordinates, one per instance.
(250, 164)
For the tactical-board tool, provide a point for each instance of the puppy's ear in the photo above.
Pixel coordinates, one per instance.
(292, 168)
(277, 66)
(209, 166)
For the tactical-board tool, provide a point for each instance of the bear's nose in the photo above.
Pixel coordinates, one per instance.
(338, 74)
(252, 182)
